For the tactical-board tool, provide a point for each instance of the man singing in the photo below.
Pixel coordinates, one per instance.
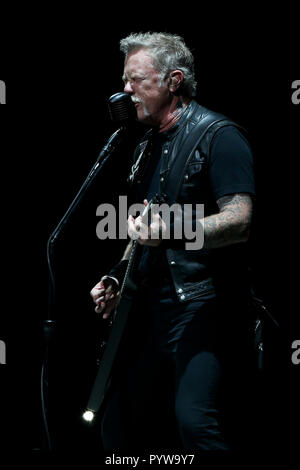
(190, 310)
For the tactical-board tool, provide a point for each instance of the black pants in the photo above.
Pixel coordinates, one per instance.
(165, 389)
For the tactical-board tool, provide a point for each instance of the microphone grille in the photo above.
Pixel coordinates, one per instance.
(121, 108)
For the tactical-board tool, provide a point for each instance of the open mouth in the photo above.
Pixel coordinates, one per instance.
(135, 101)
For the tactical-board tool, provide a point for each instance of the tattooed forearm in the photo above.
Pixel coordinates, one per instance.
(231, 225)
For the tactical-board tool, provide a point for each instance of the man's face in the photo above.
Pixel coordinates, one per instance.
(143, 82)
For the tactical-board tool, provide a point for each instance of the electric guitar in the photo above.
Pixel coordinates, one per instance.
(117, 325)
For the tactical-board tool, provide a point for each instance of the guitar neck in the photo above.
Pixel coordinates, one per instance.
(129, 266)
(155, 200)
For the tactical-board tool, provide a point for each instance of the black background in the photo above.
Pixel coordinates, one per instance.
(60, 71)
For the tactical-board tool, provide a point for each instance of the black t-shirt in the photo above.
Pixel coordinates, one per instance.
(230, 170)
(230, 163)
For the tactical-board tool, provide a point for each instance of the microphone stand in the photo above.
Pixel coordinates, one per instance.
(50, 324)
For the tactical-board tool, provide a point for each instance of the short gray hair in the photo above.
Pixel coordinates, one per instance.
(169, 52)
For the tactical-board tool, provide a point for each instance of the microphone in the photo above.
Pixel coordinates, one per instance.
(121, 108)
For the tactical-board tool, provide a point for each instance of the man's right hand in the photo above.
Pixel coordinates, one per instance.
(105, 295)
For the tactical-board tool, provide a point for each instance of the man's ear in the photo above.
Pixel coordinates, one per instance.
(176, 79)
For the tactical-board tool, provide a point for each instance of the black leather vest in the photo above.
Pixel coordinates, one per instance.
(192, 271)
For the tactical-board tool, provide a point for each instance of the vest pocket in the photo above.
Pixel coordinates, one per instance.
(191, 170)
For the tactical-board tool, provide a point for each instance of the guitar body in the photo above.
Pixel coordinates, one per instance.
(111, 348)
